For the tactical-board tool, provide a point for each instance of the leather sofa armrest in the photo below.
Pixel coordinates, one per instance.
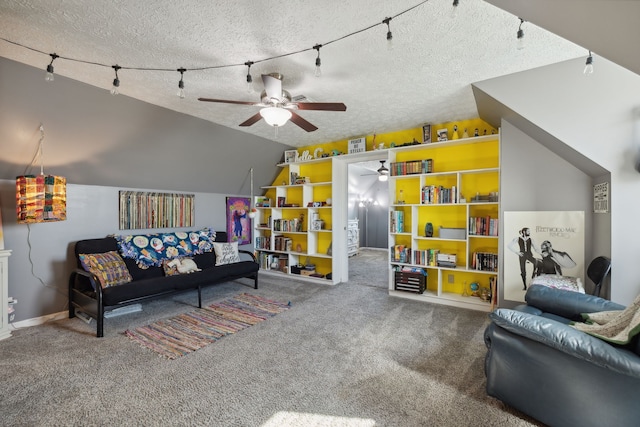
(565, 303)
(568, 340)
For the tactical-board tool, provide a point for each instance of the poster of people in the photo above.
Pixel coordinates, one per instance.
(536, 243)
(238, 221)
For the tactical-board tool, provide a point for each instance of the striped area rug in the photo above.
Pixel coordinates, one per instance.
(188, 332)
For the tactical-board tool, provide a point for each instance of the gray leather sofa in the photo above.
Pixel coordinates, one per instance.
(556, 374)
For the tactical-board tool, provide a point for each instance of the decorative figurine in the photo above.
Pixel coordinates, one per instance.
(455, 132)
(428, 230)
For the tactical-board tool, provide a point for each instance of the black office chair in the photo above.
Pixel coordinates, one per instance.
(598, 271)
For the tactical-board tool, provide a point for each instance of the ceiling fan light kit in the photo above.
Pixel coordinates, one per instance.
(275, 116)
(383, 172)
(277, 105)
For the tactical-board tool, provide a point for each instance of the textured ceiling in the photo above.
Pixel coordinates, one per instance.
(425, 77)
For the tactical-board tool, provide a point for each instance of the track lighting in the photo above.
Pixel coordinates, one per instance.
(588, 66)
(116, 81)
(520, 42)
(181, 93)
(383, 172)
(249, 78)
(454, 9)
(389, 35)
(49, 77)
(318, 71)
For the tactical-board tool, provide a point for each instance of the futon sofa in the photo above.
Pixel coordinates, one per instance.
(88, 293)
(539, 364)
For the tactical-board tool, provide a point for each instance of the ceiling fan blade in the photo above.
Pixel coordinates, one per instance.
(296, 119)
(226, 101)
(272, 86)
(251, 120)
(324, 106)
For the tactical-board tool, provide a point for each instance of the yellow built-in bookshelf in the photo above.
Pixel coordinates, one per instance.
(462, 186)
(469, 164)
(284, 251)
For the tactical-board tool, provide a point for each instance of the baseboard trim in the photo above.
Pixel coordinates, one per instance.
(40, 320)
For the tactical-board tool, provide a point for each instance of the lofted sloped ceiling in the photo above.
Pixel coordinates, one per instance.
(426, 76)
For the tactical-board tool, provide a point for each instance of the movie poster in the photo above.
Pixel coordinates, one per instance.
(238, 222)
(538, 243)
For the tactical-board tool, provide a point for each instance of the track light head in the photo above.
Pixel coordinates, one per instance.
(116, 82)
(249, 78)
(318, 70)
(181, 94)
(588, 65)
(520, 36)
(49, 76)
(389, 34)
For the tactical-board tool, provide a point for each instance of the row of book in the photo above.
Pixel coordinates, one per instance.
(263, 243)
(273, 262)
(396, 221)
(435, 194)
(282, 243)
(483, 226)
(484, 261)
(287, 225)
(411, 167)
(400, 253)
(426, 257)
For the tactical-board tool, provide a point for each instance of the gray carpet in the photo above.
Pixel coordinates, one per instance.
(370, 268)
(345, 355)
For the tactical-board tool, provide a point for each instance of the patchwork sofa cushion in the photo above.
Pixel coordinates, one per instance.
(150, 250)
(108, 267)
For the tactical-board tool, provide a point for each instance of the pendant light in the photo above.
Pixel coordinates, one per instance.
(41, 198)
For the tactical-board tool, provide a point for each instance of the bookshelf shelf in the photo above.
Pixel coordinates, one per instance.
(298, 222)
(453, 185)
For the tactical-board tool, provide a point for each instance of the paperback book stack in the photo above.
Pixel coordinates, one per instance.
(400, 253)
(396, 221)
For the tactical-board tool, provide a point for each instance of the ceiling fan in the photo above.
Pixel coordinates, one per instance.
(382, 172)
(277, 107)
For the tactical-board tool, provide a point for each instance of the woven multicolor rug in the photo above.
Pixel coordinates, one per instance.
(188, 332)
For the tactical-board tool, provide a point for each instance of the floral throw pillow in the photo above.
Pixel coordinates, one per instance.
(108, 267)
(226, 253)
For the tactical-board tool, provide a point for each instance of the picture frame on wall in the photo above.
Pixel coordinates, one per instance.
(290, 156)
(426, 134)
(357, 145)
(238, 221)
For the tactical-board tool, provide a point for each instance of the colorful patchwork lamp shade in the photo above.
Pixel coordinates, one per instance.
(41, 198)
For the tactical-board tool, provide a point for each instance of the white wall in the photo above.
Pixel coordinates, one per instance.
(536, 179)
(597, 117)
(92, 212)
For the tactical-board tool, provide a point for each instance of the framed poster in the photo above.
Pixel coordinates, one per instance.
(545, 242)
(290, 156)
(601, 198)
(238, 223)
(357, 145)
(426, 134)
